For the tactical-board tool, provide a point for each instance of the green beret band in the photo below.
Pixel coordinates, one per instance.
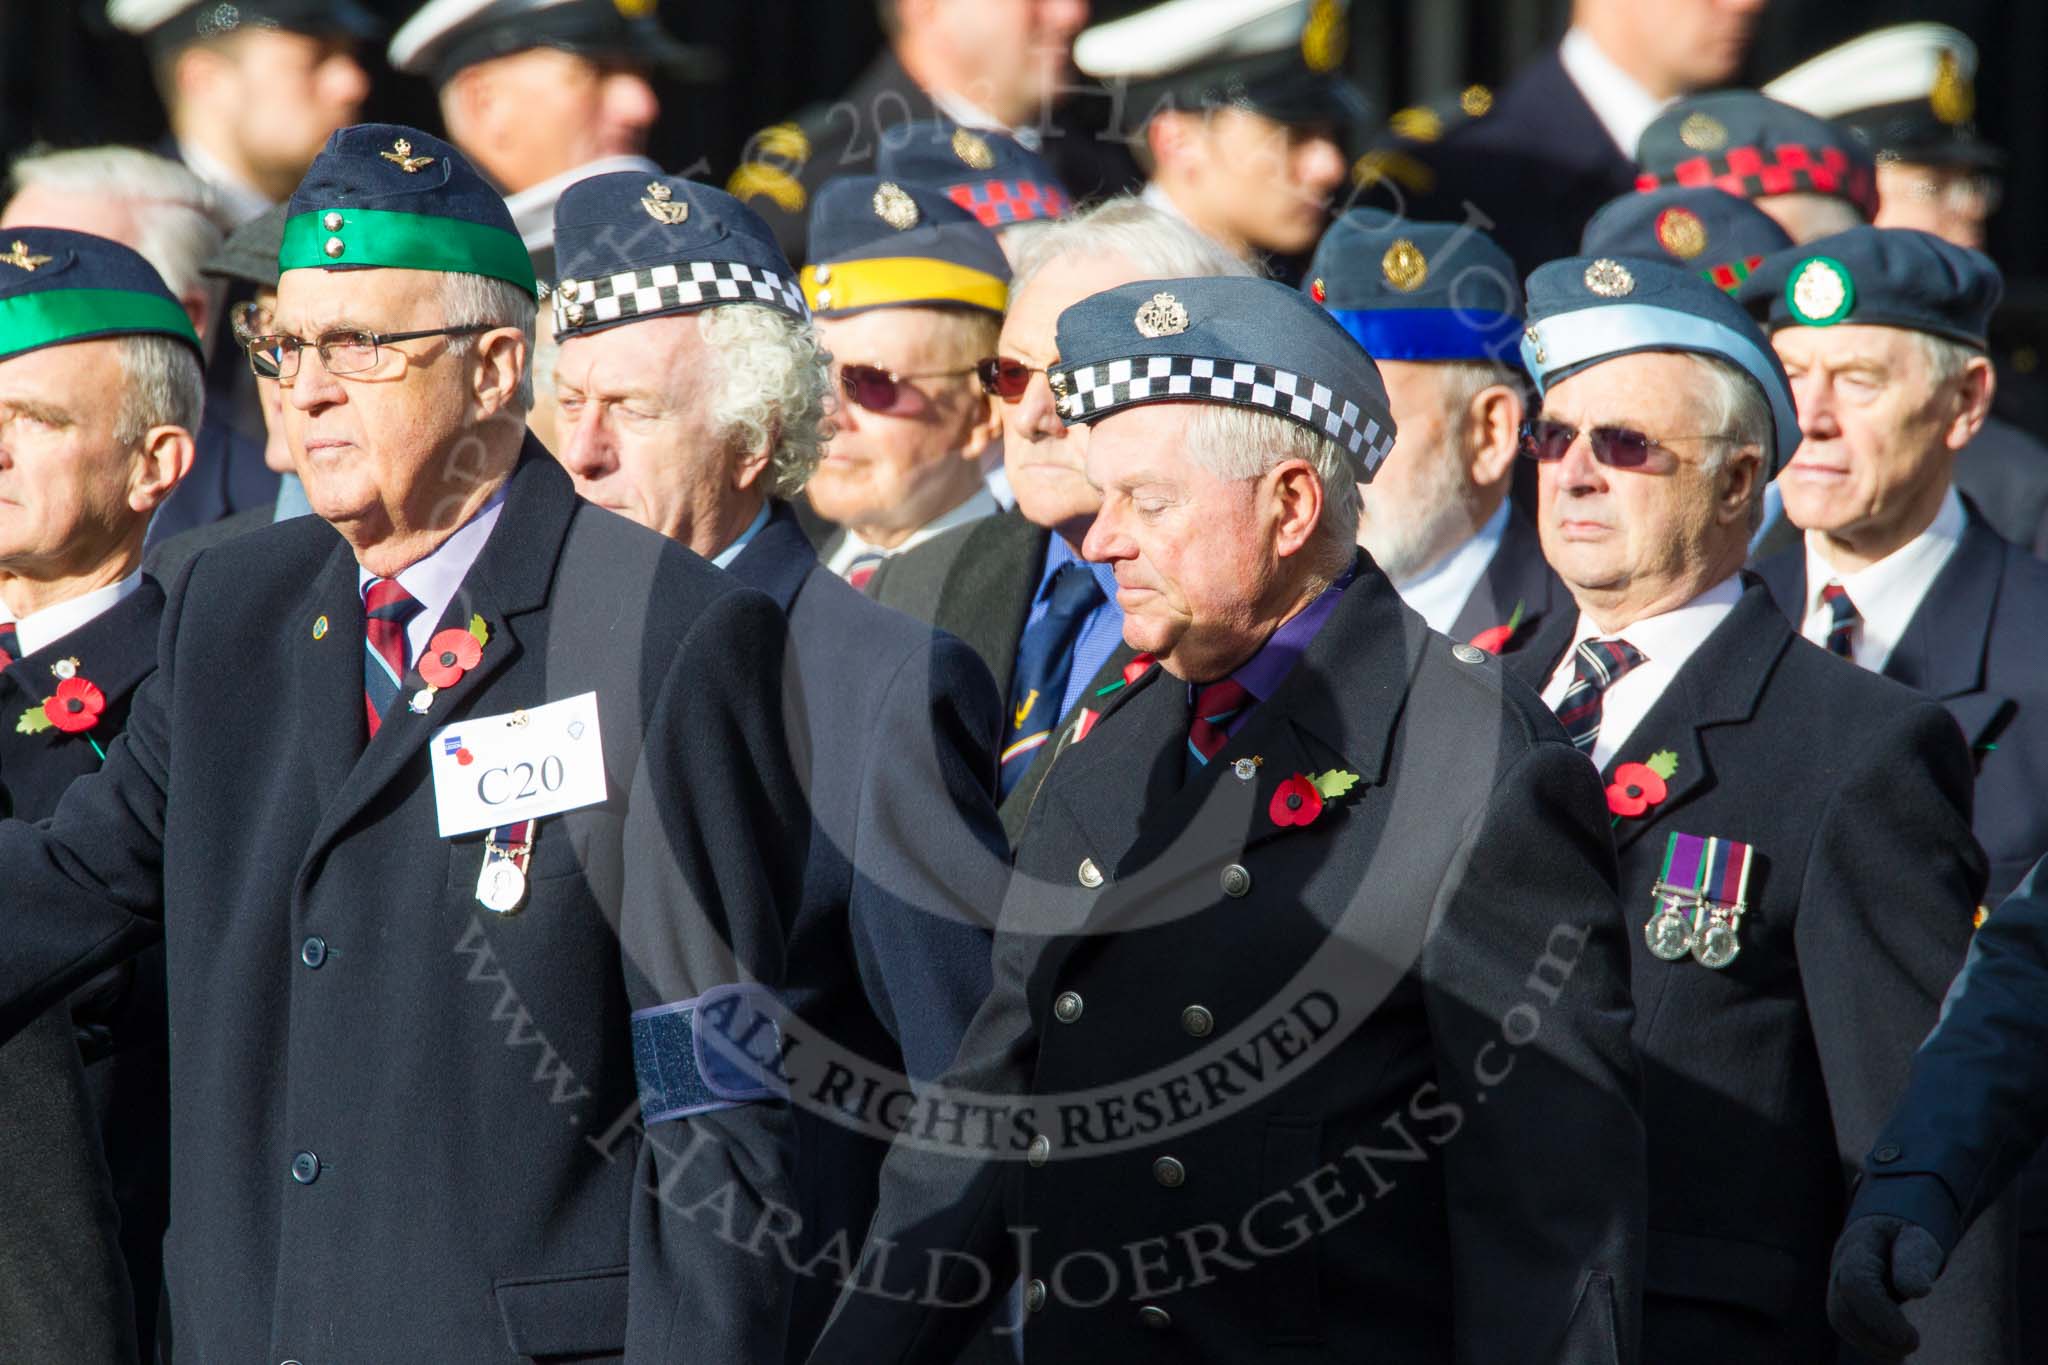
(403, 241)
(30, 321)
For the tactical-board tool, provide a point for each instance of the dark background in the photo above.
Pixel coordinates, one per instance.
(66, 80)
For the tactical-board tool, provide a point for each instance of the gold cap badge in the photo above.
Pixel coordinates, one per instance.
(1476, 101)
(18, 256)
(661, 206)
(1161, 316)
(1404, 266)
(401, 156)
(1609, 279)
(1680, 232)
(895, 207)
(1417, 123)
(972, 149)
(1952, 98)
(1703, 133)
(1325, 36)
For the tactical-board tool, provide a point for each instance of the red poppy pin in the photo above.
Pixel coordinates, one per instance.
(1299, 800)
(1137, 668)
(1495, 638)
(1639, 786)
(73, 709)
(450, 654)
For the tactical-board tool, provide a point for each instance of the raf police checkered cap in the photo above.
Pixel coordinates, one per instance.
(58, 286)
(1247, 343)
(1751, 145)
(1885, 277)
(629, 246)
(881, 243)
(992, 175)
(1711, 231)
(1587, 309)
(384, 195)
(1418, 291)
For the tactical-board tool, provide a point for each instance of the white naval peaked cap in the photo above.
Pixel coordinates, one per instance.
(1181, 33)
(1887, 66)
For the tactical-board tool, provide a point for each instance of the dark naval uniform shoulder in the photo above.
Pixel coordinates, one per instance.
(1407, 151)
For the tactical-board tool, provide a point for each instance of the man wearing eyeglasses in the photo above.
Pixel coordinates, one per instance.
(908, 290)
(1797, 867)
(422, 797)
(100, 389)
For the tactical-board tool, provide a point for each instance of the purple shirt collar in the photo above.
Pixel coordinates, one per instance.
(1262, 674)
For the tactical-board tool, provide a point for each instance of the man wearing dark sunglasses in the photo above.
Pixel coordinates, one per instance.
(908, 290)
(1797, 868)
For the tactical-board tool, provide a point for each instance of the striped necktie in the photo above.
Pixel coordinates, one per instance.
(1846, 617)
(10, 644)
(1597, 665)
(1045, 664)
(1215, 706)
(863, 568)
(387, 608)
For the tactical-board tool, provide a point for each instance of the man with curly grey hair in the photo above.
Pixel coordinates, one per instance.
(692, 394)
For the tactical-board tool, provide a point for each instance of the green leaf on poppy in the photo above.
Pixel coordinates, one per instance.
(33, 721)
(1515, 618)
(481, 631)
(1333, 783)
(1663, 763)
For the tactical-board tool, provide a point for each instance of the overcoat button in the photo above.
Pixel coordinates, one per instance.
(1169, 1173)
(1034, 1296)
(1197, 1021)
(1090, 874)
(313, 951)
(1067, 1008)
(1040, 1150)
(1468, 654)
(1155, 1317)
(305, 1168)
(1885, 1153)
(1237, 881)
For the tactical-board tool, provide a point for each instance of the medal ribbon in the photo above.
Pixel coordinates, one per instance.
(510, 843)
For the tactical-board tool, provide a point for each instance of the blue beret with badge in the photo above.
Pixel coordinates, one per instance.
(1753, 146)
(630, 247)
(59, 286)
(881, 243)
(387, 196)
(444, 36)
(1584, 309)
(1247, 343)
(1884, 277)
(1714, 232)
(1418, 291)
(992, 175)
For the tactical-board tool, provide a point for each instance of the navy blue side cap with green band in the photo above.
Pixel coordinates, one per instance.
(381, 195)
(1418, 291)
(1584, 310)
(58, 286)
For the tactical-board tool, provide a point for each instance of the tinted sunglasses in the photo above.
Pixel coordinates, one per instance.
(1004, 378)
(1616, 447)
(880, 390)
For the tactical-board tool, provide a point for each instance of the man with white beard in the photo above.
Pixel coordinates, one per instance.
(1437, 307)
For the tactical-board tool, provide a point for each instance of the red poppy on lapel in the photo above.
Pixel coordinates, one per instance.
(1295, 802)
(1138, 667)
(1085, 722)
(450, 654)
(1495, 638)
(1639, 786)
(76, 707)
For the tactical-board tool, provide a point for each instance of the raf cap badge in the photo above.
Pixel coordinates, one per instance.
(1703, 133)
(1951, 98)
(1821, 293)
(18, 255)
(1324, 37)
(1404, 266)
(1609, 279)
(972, 149)
(661, 206)
(1680, 232)
(894, 207)
(401, 156)
(1161, 316)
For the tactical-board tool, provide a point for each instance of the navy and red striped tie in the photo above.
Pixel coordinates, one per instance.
(1215, 706)
(387, 609)
(10, 644)
(1597, 665)
(1843, 627)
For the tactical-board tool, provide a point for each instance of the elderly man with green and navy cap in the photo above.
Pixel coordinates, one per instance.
(1285, 915)
(421, 797)
(100, 390)
(1813, 177)
(908, 290)
(693, 399)
(1797, 871)
(1438, 306)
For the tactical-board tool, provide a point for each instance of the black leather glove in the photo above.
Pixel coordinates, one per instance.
(1880, 1263)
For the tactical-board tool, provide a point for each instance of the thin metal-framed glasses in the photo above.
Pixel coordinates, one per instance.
(278, 356)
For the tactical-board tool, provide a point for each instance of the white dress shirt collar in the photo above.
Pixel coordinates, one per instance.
(433, 580)
(724, 558)
(1886, 594)
(1441, 591)
(1623, 107)
(851, 547)
(533, 208)
(1666, 641)
(40, 629)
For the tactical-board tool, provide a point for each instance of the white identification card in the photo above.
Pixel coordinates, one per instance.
(498, 770)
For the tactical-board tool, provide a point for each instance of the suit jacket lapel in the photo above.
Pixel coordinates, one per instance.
(1516, 577)
(988, 596)
(779, 558)
(1942, 650)
(326, 643)
(509, 579)
(1016, 808)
